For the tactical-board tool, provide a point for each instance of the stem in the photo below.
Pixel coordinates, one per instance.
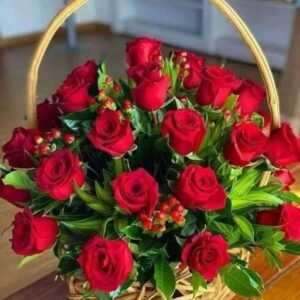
(155, 117)
(118, 165)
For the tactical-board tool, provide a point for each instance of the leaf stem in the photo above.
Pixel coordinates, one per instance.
(155, 117)
(118, 165)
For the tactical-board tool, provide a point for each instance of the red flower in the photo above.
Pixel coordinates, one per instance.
(48, 116)
(284, 147)
(198, 188)
(20, 145)
(73, 95)
(110, 134)
(216, 85)
(57, 174)
(251, 95)
(286, 178)
(106, 264)
(136, 192)
(246, 143)
(151, 90)
(290, 221)
(15, 196)
(32, 234)
(185, 129)
(206, 253)
(143, 50)
(269, 217)
(195, 67)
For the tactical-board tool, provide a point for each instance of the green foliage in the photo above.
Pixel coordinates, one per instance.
(198, 282)
(19, 180)
(28, 260)
(231, 102)
(67, 264)
(164, 278)
(245, 227)
(291, 247)
(88, 226)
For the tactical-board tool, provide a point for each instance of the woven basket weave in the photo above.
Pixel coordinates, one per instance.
(216, 289)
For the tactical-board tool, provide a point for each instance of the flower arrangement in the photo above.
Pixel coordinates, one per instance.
(130, 181)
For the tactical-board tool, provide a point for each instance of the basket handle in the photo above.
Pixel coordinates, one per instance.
(221, 5)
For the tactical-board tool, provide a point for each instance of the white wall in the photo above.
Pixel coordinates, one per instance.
(29, 16)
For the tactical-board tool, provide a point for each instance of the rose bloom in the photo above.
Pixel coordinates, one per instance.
(206, 253)
(216, 86)
(247, 142)
(136, 192)
(48, 116)
(20, 145)
(73, 95)
(286, 178)
(251, 96)
(284, 146)
(17, 197)
(151, 90)
(185, 129)
(198, 188)
(143, 50)
(111, 134)
(32, 234)
(106, 264)
(57, 174)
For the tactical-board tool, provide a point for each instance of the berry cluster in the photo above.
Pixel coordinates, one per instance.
(170, 211)
(180, 59)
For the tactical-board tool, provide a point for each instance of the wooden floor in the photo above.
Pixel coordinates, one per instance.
(13, 67)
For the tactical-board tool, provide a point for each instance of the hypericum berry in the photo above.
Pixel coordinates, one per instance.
(109, 103)
(117, 88)
(160, 216)
(172, 201)
(176, 216)
(38, 140)
(147, 225)
(43, 149)
(143, 217)
(55, 133)
(69, 138)
(227, 114)
(179, 208)
(127, 104)
(158, 228)
(186, 66)
(183, 99)
(48, 137)
(164, 207)
(109, 80)
(102, 93)
(93, 101)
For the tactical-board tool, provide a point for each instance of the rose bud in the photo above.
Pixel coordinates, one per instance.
(246, 143)
(136, 192)
(286, 178)
(48, 115)
(198, 188)
(185, 129)
(17, 197)
(32, 234)
(106, 264)
(20, 145)
(110, 134)
(284, 147)
(73, 95)
(206, 253)
(143, 50)
(251, 96)
(216, 86)
(57, 174)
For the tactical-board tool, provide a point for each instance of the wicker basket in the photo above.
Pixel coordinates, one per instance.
(216, 289)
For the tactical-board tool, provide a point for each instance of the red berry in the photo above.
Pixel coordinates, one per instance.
(164, 207)
(172, 201)
(38, 140)
(55, 133)
(143, 217)
(183, 99)
(102, 93)
(176, 216)
(161, 216)
(68, 138)
(179, 208)
(108, 80)
(147, 225)
(44, 149)
(127, 104)
(117, 88)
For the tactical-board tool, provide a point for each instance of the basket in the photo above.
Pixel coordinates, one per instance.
(216, 289)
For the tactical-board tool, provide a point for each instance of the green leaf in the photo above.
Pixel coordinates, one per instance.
(67, 264)
(245, 227)
(121, 222)
(164, 278)
(239, 281)
(103, 195)
(93, 202)
(134, 232)
(81, 120)
(190, 225)
(291, 247)
(118, 166)
(197, 282)
(28, 259)
(103, 226)
(19, 180)
(86, 226)
(140, 120)
(231, 102)
(258, 119)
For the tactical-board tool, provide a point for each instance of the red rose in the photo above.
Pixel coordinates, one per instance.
(290, 221)
(73, 95)
(206, 253)
(111, 134)
(269, 217)
(198, 188)
(152, 88)
(251, 95)
(136, 192)
(57, 174)
(246, 143)
(185, 129)
(106, 264)
(32, 234)
(284, 147)
(216, 85)
(17, 197)
(48, 116)
(143, 50)
(20, 145)
(286, 178)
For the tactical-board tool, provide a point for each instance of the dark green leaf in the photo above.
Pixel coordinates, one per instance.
(164, 278)
(121, 222)
(86, 226)
(190, 225)
(103, 195)
(81, 120)
(245, 227)
(67, 264)
(134, 232)
(291, 247)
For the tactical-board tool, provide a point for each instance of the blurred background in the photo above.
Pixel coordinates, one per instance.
(100, 30)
